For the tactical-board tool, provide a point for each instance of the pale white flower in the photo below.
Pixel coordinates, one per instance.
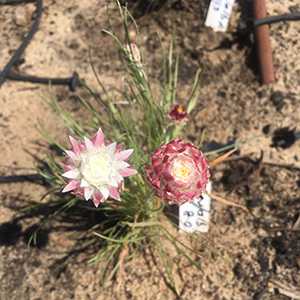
(95, 170)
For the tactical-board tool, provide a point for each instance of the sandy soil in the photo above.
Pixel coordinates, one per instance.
(240, 259)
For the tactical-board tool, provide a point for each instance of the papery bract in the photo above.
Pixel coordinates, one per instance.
(178, 172)
(95, 170)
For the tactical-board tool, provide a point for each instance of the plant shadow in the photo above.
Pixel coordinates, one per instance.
(35, 222)
(140, 8)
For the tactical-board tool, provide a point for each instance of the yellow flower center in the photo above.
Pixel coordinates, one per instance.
(181, 170)
(180, 109)
(184, 172)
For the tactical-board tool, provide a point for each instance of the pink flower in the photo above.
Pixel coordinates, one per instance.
(178, 113)
(96, 171)
(178, 172)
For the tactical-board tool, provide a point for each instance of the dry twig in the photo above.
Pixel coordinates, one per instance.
(221, 158)
(285, 289)
(228, 202)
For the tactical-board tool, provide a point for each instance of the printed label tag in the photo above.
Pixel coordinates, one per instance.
(218, 15)
(194, 216)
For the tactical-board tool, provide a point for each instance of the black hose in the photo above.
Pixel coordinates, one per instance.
(72, 82)
(26, 41)
(15, 2)
(276, 19)
(37, 178)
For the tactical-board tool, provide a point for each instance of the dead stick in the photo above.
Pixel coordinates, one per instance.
(263, 44)
(221, 158)
(228, 202)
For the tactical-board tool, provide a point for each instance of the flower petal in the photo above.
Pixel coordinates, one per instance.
(68, 167)
(97, 198)
(88, 144)
(88, 192)
(114, 193)
(123, 155)
(72, 185)
(111, 148)
(72, 174)
(71, 154)
(127, 172)
(84, 183)
(120, 164)
(104, 191)
(99, 139)
(114, 181)
(75, 145)
(118, 178)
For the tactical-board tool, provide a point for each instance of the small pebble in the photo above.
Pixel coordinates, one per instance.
(283, 138)
(277, 99)
(261, 232)
(21, 16)
(266, 129)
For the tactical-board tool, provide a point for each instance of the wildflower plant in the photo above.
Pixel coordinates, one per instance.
(121, 167)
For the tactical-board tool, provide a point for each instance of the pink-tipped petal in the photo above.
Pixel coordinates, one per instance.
(124, 155)
(127, 172)
(114, 182)
(72, 174)
(75, 145)
(88, 192)
(99, 140)
(84, 183)
(67, 167)
(88, 144)
(104, 191)
(114, 193)
(112, 148)
(72, 185)
(71, 154)
(121, 165)
(97, 199)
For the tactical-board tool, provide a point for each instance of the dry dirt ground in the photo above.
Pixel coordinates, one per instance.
(241, 259)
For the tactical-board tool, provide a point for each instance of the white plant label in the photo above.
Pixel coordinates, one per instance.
(218, 15)
(194, 216)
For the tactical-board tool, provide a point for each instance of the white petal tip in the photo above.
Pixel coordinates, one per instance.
(88, 143)
(71, 174)
(88, 192)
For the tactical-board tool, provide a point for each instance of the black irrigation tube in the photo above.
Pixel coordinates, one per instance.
(36, 178)
(26, 41)
(73, 82)
(275, 19)
(14, 2)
